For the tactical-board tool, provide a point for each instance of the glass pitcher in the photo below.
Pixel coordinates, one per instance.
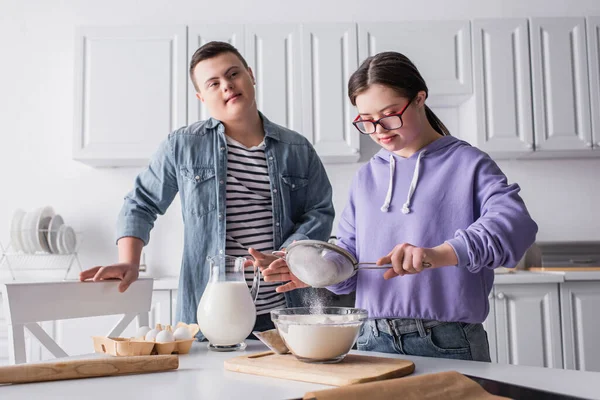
(226, 312)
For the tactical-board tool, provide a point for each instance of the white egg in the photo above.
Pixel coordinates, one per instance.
(151, 335)
(142, 330)
(164, 337)
(182, 333)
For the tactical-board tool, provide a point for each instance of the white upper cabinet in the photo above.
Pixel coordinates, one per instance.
(502, 79)
(441, 51)
(130, 92)
(593, 37)
(199, 35)
(273, 53)
(561, 95)
(513, 87)
(329, 57)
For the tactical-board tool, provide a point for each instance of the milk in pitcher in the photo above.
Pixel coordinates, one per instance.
(226, 313)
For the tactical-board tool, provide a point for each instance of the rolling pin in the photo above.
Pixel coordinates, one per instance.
(76, 369)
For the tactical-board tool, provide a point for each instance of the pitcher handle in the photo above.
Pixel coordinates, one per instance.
(255, 283)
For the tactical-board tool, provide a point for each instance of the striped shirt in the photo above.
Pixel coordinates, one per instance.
(249, 213)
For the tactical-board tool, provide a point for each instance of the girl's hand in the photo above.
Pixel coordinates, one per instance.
(408, 259)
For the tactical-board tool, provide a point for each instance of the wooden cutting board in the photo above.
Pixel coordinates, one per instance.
(352, 369)
(75, 369)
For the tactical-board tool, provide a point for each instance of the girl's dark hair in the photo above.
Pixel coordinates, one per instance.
(397, 72)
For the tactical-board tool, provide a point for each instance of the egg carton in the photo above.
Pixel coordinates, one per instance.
(138, 346)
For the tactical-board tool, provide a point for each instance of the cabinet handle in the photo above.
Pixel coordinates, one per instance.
(529, 146)
(589, 144)
(582, 261)
(500, 296)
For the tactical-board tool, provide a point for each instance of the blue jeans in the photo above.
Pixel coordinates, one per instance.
(427, 338)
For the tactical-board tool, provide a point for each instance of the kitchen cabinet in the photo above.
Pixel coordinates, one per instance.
(490, 328)
(441, 50)
(120, 118)
(528, 328)
(560, 81)
(593, 40)
(531, 87)
(174, 307)
(580, 302)
(502, 84)
(160, 310)
(273, 53)
(329, 56)
(130, 85)
(199, 35)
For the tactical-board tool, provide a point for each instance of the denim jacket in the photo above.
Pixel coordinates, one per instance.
(193, 162)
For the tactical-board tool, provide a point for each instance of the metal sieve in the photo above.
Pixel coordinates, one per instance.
(321, 264)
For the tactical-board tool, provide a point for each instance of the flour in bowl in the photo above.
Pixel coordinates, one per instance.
(319, 336)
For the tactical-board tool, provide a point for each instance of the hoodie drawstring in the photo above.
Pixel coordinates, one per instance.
(388, 196)
(411, 190)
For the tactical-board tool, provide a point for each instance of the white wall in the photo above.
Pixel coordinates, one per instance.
(37, 102)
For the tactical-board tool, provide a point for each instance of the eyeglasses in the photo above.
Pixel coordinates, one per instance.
(389, 122)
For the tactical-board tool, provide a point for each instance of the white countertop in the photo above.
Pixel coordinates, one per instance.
(545, 277)
(580, 276)
(519, 277)
(516, 277)
(201, 375)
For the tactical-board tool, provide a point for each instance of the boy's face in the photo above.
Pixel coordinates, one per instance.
(225, 87)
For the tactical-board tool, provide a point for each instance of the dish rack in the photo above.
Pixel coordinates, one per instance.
(40, 260)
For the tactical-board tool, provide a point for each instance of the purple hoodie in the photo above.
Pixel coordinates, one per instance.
(447, 192)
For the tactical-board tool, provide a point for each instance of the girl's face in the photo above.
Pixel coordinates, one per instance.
(379, 101)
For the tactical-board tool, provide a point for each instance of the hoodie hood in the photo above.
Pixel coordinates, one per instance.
(430, 150)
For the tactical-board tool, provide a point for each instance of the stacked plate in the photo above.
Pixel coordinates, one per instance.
(42, 231)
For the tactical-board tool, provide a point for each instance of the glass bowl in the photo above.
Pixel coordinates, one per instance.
(319, 335)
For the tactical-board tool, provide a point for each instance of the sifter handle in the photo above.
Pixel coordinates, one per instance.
(424, 264)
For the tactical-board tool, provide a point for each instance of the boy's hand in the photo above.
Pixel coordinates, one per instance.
(126, 273)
